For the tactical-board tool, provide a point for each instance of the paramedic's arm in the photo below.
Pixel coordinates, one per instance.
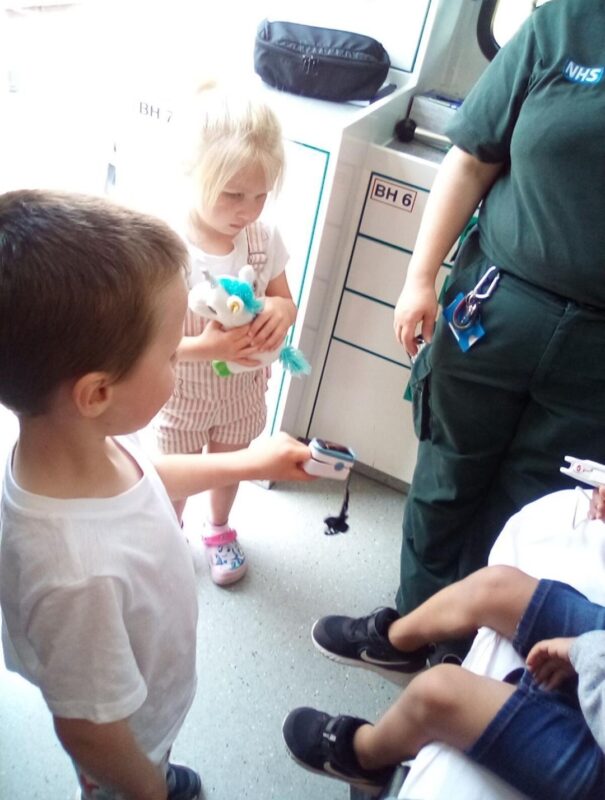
(461, 182)
(277, 458)
(109, 754)
(279, 313)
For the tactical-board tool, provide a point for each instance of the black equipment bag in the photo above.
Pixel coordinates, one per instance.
(319, 62)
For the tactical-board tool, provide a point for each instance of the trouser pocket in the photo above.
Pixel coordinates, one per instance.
(420, 387)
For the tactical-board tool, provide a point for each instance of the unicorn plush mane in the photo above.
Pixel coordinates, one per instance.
(243, 290)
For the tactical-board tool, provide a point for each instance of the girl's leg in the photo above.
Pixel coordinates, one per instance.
(225, 556)
(221, 500)
(493, 596)
(446, 703)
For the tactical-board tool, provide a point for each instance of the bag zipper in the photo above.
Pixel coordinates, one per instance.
(309, 64)
(365, 60)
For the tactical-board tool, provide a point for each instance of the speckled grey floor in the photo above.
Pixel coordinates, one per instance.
(255, 657)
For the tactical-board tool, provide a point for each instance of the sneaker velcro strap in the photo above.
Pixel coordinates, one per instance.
(337, 749)
(220, 538)
(328, 737)
(373, 634)
(337, 743)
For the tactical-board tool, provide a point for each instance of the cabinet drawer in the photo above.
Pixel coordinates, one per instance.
(360, 403)
(368, 324)
(378, 270)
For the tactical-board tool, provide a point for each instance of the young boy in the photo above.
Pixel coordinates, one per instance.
(96, 581)
(541, 730)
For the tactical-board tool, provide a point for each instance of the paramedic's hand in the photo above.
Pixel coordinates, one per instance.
(280, 458)
(226, 345)
(268, 329)
(415, 314)
(597, 504)
(549, 662)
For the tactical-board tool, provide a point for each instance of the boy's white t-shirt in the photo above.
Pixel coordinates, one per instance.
(99, 605)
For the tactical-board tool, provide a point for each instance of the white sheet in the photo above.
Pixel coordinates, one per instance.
(550, 538)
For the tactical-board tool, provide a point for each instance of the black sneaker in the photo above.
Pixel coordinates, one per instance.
(183, 783)
(324, 744)
(363, 642)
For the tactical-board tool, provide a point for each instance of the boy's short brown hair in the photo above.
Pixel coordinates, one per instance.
(79, 276)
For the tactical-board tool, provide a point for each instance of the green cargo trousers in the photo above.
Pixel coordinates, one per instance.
(494, 423)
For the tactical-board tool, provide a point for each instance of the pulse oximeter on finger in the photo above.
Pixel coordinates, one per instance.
(329, 460)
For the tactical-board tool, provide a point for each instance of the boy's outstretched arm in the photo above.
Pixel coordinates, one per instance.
(278, 458)
(110, 755)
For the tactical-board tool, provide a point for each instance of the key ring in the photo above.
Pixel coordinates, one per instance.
(465, 312)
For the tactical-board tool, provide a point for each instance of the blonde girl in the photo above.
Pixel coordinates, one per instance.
(237, 160)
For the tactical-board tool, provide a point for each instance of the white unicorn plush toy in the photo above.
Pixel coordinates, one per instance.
(231, 302)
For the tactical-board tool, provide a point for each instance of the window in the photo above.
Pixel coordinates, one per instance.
(499, 20)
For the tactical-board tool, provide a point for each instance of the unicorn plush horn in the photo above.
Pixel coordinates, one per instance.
(209, 277)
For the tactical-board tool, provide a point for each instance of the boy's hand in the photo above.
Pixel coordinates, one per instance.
(280, 458)
(549, 662)
(268, 329)
(597, 504)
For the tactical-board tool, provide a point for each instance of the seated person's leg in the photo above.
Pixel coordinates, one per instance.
(537, 741)
(396, 646)
(556, 609)
(446, 703)
(495, 597)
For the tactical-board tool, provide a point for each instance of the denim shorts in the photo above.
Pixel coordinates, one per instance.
(539, 741)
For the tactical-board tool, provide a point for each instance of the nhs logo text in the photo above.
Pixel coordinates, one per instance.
(580, 74)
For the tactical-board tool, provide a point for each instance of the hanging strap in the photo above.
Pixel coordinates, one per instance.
(257, 258)
(257, 254)
(339, 523)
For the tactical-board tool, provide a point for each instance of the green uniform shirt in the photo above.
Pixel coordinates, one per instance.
(540, 109)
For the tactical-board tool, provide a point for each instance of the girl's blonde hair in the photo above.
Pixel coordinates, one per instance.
(231, 131)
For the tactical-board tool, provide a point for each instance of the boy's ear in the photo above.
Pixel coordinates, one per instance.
(92, 394)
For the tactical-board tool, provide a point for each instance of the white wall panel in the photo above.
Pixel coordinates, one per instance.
(368, 414)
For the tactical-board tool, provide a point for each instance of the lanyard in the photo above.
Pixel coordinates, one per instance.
(465, 313)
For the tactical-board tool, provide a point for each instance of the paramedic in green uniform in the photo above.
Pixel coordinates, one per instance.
(496, 421)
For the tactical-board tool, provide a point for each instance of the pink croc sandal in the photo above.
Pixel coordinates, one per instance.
(225, 556)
